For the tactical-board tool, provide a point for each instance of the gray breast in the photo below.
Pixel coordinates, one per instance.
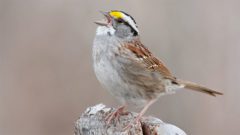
(125, 80)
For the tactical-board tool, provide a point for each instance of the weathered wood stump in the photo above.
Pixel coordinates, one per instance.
(92, 122)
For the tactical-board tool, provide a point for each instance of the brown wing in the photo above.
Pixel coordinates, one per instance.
(145, 57)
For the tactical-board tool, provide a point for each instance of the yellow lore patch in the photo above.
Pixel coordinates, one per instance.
(116, 14)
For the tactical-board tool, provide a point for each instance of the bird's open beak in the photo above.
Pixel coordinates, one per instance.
(106, 21)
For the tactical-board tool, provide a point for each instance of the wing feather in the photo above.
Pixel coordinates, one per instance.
(146, 58)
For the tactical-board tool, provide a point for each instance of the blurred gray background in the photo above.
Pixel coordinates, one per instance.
(46, 75)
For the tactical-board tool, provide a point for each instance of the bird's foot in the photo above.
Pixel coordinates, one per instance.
(116, 114)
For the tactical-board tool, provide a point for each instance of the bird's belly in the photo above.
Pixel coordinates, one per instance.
(110, 77)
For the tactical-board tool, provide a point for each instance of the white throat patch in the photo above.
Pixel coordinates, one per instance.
(103, 30)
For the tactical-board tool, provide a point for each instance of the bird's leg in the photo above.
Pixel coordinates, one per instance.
(116, 114)
(139, 116)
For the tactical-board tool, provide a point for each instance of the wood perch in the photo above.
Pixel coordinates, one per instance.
(92, 122)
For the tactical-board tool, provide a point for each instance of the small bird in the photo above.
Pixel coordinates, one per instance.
(128, 70)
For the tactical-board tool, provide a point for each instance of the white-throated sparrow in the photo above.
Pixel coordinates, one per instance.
(127, 69)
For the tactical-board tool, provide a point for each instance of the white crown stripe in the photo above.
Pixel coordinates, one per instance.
(130, 22)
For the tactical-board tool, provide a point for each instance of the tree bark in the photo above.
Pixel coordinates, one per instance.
(92, 122)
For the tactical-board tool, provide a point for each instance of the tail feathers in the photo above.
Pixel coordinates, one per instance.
(196, 87)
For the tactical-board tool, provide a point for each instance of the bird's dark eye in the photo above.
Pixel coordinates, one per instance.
(120, 21)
